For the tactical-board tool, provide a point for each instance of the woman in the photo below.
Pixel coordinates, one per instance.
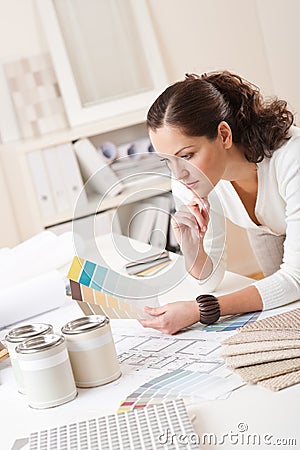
(218, 135)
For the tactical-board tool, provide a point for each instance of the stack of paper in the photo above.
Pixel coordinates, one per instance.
(267, 352)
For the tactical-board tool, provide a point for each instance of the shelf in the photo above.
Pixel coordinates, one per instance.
(13, 157)
(156, 185)
(71, 134)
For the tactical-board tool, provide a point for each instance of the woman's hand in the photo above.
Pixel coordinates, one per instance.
(190, 222)
(190, 225)
(172, 317)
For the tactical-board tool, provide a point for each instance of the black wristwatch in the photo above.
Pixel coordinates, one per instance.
(209, 309)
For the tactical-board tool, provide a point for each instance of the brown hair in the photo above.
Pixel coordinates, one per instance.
(199, 103)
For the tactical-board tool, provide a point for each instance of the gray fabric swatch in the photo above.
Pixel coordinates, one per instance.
(259, 372)
(282, 381)
(261, 357)
(254, 347)
(287, 320)
(261, 335)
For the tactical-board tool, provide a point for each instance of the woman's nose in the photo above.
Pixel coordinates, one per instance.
(179, 169)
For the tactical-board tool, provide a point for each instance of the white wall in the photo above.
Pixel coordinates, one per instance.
(199, 36)
(279, 22)
(20, 32)
(258, 39)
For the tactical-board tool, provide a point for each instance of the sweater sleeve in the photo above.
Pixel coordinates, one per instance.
(283, 286)
(214, 239)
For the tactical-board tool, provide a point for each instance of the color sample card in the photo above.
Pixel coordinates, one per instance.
(110, 306)
(234, 322)
(118, 296)
(179, 384)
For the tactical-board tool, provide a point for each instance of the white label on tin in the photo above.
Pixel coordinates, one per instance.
(45, 363)
(12, 352)
(89, 344)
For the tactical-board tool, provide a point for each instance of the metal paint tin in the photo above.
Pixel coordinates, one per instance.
(92, 351)
(47, 371)
(17, 335)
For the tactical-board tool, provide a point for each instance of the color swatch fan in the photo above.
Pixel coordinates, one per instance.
(108, 292)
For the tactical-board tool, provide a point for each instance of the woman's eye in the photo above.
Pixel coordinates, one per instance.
(188, 156)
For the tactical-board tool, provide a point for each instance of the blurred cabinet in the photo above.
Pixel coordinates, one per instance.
(21, 199)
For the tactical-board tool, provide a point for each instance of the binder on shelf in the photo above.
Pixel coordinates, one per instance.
(41, 184)
(70, 172)
(159, 235)
(92, 164)
(142, 221)
(172, 241)
(56, 179)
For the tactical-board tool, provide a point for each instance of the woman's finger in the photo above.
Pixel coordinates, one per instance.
(202, 201)
(155, 311)
(150, 323)
(198, 214)
(182, 219)
(204, 207)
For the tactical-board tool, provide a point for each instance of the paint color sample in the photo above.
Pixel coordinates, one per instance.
(87, 273)
(98, 285)
(232, 323)
(75, 269)
(112, 307)
(178, 384)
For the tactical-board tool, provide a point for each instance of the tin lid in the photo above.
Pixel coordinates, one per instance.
(84, 324)
(40, 343)
(27, 331)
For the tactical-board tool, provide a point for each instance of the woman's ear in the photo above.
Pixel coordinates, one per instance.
(225, 134)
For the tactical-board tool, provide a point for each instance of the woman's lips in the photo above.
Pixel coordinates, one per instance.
(191, 185)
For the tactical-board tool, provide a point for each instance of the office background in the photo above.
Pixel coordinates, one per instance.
(256, 38)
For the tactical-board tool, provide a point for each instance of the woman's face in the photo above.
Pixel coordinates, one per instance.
(196, 161)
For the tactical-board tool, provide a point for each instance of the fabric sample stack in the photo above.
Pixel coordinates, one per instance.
(267, 352)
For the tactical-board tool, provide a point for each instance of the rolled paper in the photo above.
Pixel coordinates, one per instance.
(31, 297)
(24, 261)
(96, 170)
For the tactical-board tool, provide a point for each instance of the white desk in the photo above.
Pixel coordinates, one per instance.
(263, 411)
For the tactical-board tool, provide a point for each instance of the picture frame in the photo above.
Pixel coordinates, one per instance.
(136, 102)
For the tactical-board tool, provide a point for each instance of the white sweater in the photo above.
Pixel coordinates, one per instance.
(277, 209)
